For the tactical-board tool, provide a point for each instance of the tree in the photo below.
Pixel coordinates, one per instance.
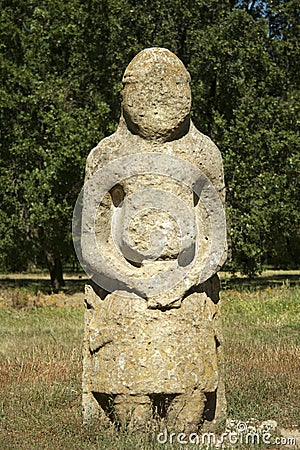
(61, 65)
(49, 125)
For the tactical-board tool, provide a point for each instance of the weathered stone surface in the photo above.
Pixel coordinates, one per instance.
(153, 338)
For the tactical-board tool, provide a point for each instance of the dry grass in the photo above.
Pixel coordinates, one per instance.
(40, 371)
(263, 354)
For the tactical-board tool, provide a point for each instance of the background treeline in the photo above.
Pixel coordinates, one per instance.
(61, 66)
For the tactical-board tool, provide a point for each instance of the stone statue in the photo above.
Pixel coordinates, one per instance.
(153, 236)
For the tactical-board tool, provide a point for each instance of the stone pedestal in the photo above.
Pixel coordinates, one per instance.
(144, 364)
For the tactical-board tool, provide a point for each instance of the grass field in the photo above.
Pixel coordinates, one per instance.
(40, 360)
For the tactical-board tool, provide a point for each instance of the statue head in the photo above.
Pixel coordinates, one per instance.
(156, 96)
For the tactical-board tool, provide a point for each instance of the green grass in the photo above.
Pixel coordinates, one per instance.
(40, 361)
(263, 354)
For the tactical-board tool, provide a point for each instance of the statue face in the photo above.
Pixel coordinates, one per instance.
(156, 94)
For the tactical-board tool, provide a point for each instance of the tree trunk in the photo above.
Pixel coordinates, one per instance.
(56, 271)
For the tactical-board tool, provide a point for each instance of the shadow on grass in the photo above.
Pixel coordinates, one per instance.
(260, 282)
(34, 283)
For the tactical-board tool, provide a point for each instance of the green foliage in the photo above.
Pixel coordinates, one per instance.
(61, 64)
(50, 121)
